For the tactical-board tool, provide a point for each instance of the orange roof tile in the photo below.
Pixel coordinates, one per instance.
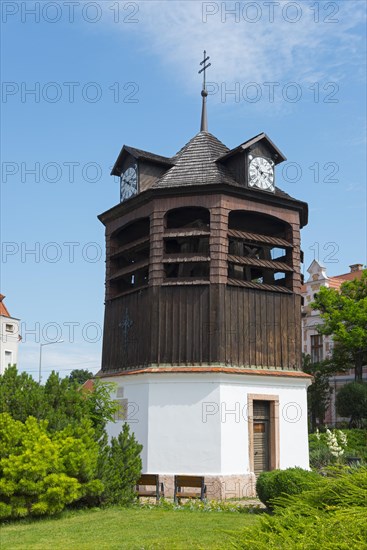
(226, 370)
(338, 280)
(88, 385)
(3, 309)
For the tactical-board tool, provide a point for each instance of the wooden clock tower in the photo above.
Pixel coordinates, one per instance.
(202, 327)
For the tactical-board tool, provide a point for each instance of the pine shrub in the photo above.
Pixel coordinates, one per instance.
(121, 468)
(330, 515)
(42, 472)
(292, 481)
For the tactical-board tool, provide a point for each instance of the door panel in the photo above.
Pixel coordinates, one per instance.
(261, 420)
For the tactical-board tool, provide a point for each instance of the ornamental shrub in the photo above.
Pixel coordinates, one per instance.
(330, 515)
(292, 481)
(42, 472)
(356, 446)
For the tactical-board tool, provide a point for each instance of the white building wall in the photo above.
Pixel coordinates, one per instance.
(197, 423)
(136, 390)
(9, 341)
(181, 439)
(293, 433)
(293, 428)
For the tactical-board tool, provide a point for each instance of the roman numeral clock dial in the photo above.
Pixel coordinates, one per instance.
(261, 173)
(129, 183)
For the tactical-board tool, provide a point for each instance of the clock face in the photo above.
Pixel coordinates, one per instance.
(261, 173)
(129, 183)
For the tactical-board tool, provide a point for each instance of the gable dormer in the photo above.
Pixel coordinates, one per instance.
(317, 272)
(237, 159)
(147, 166)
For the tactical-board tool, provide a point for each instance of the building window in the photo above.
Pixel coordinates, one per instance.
(9, 328)
(316, 348)
(8, 358)
(122, 405)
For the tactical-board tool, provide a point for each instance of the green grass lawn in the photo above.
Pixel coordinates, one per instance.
(116, 528)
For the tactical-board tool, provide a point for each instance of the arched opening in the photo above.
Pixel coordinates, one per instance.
(129, 255)
(255, 222)
(186, 244)
(259, 250)
(131, 232)
(194, 217)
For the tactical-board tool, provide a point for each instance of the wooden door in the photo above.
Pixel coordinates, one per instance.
(261, 431)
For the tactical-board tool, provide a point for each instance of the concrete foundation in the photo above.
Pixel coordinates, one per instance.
(219, 487)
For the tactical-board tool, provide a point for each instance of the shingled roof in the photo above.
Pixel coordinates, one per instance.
(146, 155)
(139, 154)
(195, 164)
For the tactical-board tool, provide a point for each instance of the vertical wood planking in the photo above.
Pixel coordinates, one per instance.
(196, 324)
(271, 328)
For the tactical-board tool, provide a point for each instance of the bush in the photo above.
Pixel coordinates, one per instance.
(292, 481)
(41, 472)
(330, 515)
(120, 468)
(357, 443)
(320, 455)
(351, 401)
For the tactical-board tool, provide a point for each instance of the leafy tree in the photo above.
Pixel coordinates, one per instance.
(319, 392)
(344, 315)
(122, 468)
(60, 401)
(64, 404)
(101, 409)
(351, 401)
(80, 376)
(42, 472)
(20, 395)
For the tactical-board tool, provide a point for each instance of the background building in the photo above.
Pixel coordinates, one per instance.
(319, 346)
(9, 337)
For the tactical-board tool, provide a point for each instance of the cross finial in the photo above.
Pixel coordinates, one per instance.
(203, 69)
(204, 93)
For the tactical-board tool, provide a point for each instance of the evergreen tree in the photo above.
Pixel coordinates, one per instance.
(60, 401)
(122, 468)
(20, 395)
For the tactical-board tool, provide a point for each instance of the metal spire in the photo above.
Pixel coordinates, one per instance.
(204, 93)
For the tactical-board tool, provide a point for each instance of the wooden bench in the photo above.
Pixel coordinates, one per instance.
(190, 482)
(150, 480)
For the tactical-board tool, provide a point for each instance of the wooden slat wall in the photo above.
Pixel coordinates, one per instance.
(203, 325)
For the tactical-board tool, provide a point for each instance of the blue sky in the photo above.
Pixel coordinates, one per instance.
(109, 73)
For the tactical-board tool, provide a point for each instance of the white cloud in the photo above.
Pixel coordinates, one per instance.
(304, 51)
